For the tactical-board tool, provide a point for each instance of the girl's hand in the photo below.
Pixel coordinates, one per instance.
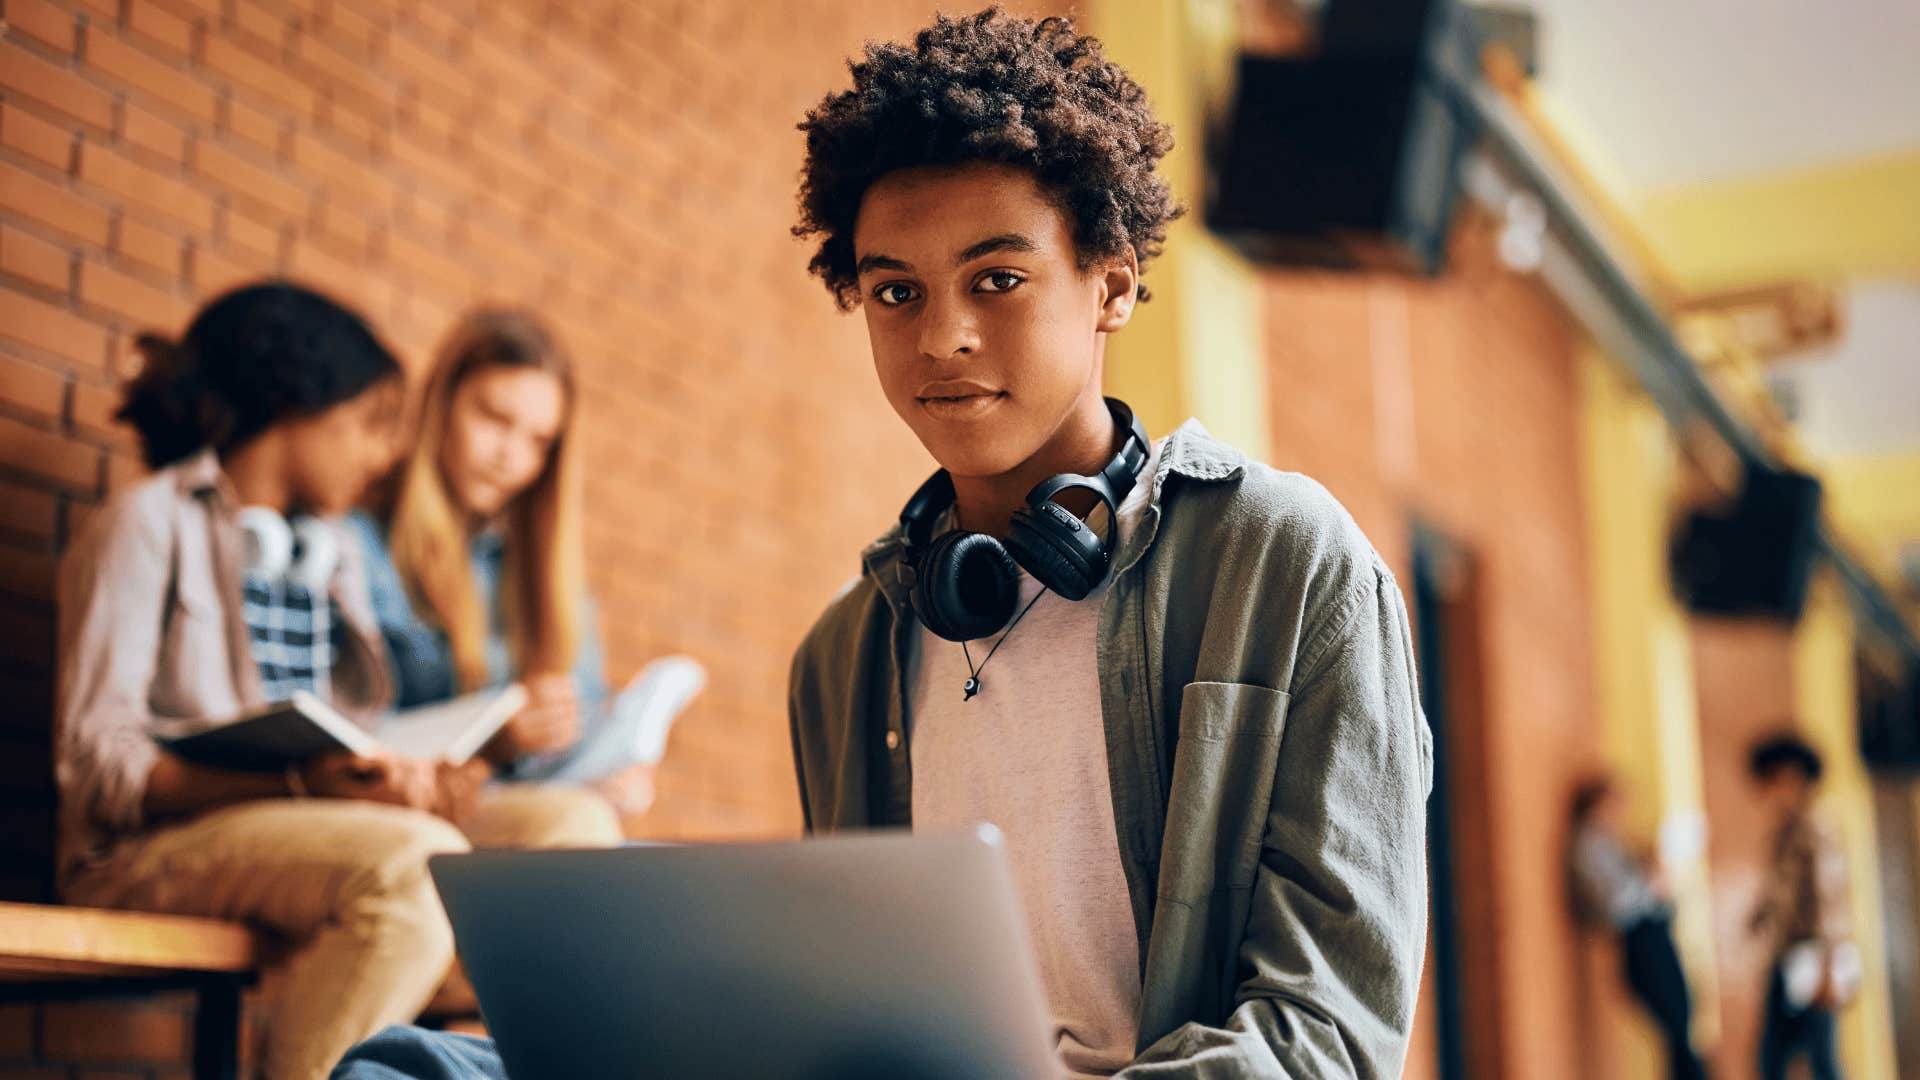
(551, 721)
(394, 780)
(459, 788)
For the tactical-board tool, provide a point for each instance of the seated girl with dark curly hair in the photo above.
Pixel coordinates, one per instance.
(1178, 681)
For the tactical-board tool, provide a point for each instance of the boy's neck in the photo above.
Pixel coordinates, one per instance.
(258, 475)
(1084, 444)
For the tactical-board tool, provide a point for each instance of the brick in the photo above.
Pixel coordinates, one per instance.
(256, 126)
(252, 181)
(43, 453)
(343, 227)
(123, 471)
(270, 27)
(91, 412)
(163, 80)
(25, 255)
(48, 142)
(121, 294)
(43, 22)
(35, 514)
(54, 330)
(373, 93)
(433, 75)
(55, 87)
(443, 27)
(360, 29)
(149, 187)
(153, 134)
(260, 74)
(52, 205)
(152, 248)
(344, 175)
(252, 234)
(147, 1032)
(33, 388)
(213, 271)
(361, 129)
(149, 19)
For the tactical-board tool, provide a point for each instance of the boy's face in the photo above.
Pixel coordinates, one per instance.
(986, 332)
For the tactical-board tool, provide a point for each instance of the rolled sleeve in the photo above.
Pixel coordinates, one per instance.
(112, 597)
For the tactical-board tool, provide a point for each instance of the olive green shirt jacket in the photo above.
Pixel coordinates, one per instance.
(1268, 758)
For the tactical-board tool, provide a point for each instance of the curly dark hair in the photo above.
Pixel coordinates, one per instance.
(997, 88)
(251, 358)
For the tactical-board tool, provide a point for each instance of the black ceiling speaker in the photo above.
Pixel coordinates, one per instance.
(1890, 717)
(1755, 557)
(1348, 158)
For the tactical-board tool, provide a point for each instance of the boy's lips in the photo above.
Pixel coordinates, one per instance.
(954, 405)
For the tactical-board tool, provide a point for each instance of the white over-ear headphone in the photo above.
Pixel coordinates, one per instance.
(305, 552)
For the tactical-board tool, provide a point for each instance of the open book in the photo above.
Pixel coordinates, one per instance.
(290, 732)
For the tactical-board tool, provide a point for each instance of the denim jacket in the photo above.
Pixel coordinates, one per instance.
(1268, 760)
(422, 658)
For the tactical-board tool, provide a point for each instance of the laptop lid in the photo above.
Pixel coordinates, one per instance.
(864, 955)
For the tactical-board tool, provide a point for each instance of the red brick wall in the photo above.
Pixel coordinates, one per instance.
(626, 168)
(1455, 402)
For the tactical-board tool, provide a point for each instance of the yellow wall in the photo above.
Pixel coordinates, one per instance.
(1196, 348)
(1826, 706)
(1858, 219)
(1644, 666)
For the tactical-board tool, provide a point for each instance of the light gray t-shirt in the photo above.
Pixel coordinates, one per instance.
(1029, 755)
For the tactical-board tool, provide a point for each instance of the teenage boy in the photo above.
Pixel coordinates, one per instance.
(1210, 766)
(1201, 738)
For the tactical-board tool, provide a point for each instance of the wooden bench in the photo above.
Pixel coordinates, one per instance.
(59, 953)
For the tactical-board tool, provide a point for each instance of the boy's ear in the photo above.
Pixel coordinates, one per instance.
(1120, 290)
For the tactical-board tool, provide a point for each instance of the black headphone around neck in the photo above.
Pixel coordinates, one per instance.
(965, 584)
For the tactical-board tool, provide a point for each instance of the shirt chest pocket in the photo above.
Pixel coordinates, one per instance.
(1223, 771)
(194, 674)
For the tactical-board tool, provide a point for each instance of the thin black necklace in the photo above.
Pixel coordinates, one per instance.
(972, 686)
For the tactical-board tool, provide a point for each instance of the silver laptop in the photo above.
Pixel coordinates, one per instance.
(871, 955)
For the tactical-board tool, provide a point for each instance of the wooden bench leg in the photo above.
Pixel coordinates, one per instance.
(216, 1032)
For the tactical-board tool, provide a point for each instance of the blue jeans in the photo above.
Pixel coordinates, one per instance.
(1792, 1032)
(411, 1053)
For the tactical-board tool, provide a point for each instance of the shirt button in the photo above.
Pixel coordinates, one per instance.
(893, 740)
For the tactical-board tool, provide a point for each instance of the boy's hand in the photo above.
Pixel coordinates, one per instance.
(551, 721)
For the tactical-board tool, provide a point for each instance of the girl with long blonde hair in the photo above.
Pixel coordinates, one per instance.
(477, 569)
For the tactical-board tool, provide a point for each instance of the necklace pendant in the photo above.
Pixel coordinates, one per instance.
(972, 687)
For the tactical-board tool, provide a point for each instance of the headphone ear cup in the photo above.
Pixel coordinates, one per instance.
(966, 586)
(1071, 564)
(317, 548)
(267, 541)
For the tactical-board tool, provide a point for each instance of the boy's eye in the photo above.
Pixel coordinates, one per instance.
(895, 293)
(999, 281)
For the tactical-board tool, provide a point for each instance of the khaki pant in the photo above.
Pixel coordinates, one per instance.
(346, 883)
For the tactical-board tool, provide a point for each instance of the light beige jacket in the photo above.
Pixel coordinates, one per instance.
(150, 628)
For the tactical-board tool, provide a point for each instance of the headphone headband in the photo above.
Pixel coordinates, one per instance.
(1112, 483)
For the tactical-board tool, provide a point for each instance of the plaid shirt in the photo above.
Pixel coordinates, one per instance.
(1804, 895)
(292, 636)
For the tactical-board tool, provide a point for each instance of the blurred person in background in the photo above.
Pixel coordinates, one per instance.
(1627, 894)
(1802, 914)
(270, 416)
(477, 573)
